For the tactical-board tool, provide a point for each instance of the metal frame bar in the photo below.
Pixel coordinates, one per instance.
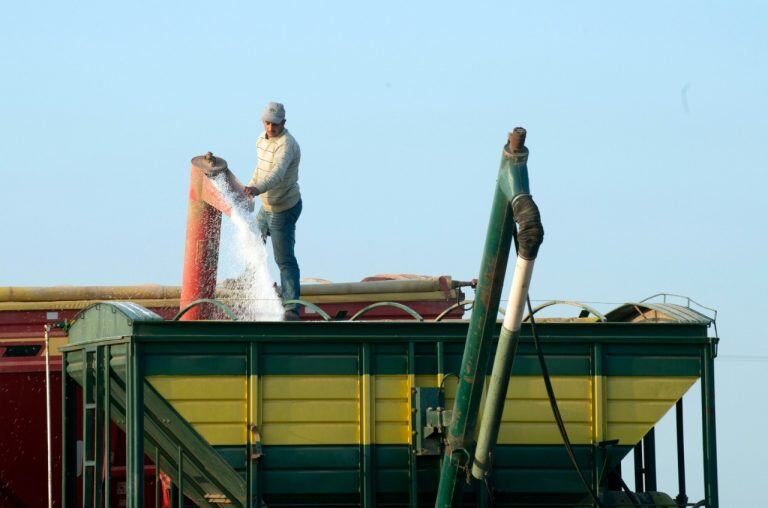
(129, 417)
(440, 353)
(180, 474)
(708, 423)
(68, 441)
(645, 463)
(368, 428)
(107, 422)
(157, 477)
(474, 361)
(415, 315)
(664, 334)
(89, 408)
(134, 477)
(649, 460)
(413, 480)
(583, 306)
(100, 428)
(253, 467)
(638, 457)
(598, 416)
(174, 493)
(682, 496)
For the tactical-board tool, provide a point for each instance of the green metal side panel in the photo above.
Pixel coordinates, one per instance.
(298, 469)
(343, 359)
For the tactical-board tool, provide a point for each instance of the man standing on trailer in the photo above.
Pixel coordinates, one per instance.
(276, 182)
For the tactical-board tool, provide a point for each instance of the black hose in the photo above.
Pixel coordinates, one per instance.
(527, 242)
(555, 409)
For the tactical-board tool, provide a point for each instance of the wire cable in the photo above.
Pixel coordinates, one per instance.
(551, 392)
(488, 490)
(556, 409)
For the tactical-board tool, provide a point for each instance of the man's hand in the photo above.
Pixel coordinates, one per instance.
(251, 191)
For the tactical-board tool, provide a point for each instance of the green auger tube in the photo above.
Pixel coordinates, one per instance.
(512, 189)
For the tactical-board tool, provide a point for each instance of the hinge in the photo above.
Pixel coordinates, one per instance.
(439, 419)
(430, 420)
(255, 451)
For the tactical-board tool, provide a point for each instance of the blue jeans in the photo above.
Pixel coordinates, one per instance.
(281, 226)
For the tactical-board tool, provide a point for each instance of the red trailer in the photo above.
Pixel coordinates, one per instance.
(24, 312)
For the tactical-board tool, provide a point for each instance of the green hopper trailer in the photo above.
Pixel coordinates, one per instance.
(354, 413)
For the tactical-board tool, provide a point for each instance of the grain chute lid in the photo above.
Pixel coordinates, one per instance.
(209, 164)
(657, 313)
(104, 320)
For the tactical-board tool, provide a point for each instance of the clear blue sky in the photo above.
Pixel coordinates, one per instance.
(646, 122)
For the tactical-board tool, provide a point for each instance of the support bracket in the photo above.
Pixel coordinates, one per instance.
(431, 420)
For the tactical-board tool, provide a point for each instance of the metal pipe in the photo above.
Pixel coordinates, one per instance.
(15, 297)
(47, 329)
(682, 496)
(530, 236)
(201, 249)
(180, 473)
(134, 477)
(88, 474)
(413, 469)
(511, 185)
(99, 428)
(68, 436)
(107, 425)
(157, 477)
(384, 286)
(638, 456)
(502, 367)
(711, 493)
(18, 294)
(649, 460)
(476, 350)
(207, 201)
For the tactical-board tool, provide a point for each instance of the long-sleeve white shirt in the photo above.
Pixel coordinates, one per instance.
(277, 173)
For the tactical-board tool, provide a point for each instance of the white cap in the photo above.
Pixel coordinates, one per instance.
(273, 113)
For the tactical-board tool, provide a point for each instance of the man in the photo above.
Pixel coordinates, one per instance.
(275, 181)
